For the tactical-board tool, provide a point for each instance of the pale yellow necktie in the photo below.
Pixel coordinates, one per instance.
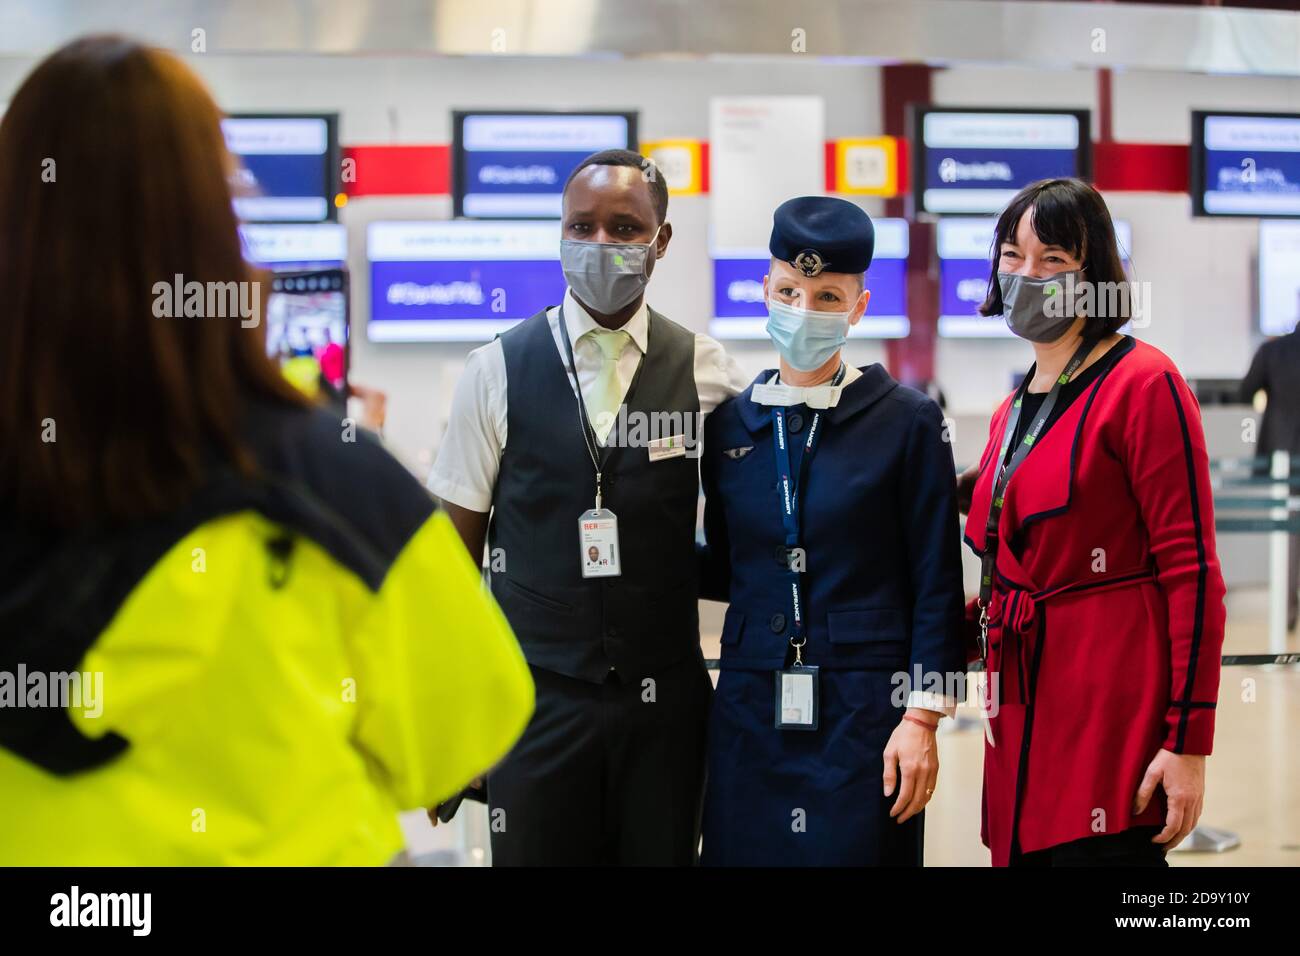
(606, 394)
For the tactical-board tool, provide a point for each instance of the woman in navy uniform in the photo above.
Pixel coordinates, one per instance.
(832, 531)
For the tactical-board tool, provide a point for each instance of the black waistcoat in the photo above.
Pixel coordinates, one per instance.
(647, 618)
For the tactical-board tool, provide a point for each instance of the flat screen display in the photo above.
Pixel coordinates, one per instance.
(1245, 164)
(740, 313)
(288, 166)
(513, 165)
(1279, 276)
(295, 246)
(965, 257)
(973, 161)
(459, 280)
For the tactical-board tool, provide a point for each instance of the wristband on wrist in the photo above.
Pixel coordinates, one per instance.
(924, 723)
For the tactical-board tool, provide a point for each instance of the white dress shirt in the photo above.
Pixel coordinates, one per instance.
(465, 472)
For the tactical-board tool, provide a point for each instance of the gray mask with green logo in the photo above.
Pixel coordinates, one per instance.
(1029, 309)
(606, 275)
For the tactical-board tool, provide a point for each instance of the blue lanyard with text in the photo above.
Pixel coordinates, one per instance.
(788, 488)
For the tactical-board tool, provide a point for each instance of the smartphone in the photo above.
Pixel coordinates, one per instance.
(307, 330)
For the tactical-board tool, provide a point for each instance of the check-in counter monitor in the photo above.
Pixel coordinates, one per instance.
(513, 165)
(739, 311)
(965, 247)
(972, 161)
(459, 280)
(1245, 164)
(288, 166)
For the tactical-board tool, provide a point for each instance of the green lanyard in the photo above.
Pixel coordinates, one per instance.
(1009, 468)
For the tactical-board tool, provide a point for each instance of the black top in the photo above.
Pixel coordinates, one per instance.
(1274, 370)
(1032, 402)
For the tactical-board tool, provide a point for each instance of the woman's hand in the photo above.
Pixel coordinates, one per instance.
(1183, 779)
(912, 750)
(374, 406)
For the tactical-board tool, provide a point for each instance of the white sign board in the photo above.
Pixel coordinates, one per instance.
(763, 150)
(1279, 276)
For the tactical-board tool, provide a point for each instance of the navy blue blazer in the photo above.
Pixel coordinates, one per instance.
(882, 587)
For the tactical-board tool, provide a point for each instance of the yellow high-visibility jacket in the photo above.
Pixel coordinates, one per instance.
(282, 669)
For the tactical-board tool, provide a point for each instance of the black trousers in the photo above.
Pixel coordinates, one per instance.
(605, 774)
(1131, 847)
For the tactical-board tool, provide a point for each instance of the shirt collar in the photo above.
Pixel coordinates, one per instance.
(851, 375)
(579, 321)
(860, 392)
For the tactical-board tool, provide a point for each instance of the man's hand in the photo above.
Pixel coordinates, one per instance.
(1183, 778)
(912, 750)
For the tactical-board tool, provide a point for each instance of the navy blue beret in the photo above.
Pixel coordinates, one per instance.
(818, 234)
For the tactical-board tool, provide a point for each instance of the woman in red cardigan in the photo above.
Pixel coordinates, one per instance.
(1100, 615)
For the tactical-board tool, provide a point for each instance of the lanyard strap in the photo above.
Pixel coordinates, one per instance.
(599, 455)
(788, 487)
(1008, 468)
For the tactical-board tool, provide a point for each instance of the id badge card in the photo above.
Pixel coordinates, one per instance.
(598, 539)
(982, 689)
(796, 698)
(670, 446)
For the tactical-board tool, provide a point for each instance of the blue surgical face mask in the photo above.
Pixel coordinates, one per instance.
(806, 339)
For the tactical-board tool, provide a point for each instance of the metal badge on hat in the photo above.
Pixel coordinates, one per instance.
(808, 262)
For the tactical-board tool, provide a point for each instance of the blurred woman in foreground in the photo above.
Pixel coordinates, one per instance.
(236, 631)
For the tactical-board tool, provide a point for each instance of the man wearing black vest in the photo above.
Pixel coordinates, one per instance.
(588, 508)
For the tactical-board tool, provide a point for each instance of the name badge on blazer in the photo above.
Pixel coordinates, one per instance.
(671, 446)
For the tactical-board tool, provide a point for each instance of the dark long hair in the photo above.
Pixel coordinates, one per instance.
(1071, 214)
(114, 176)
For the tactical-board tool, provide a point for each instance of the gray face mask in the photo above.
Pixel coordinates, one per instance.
(1029, 308)
(607, 275)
